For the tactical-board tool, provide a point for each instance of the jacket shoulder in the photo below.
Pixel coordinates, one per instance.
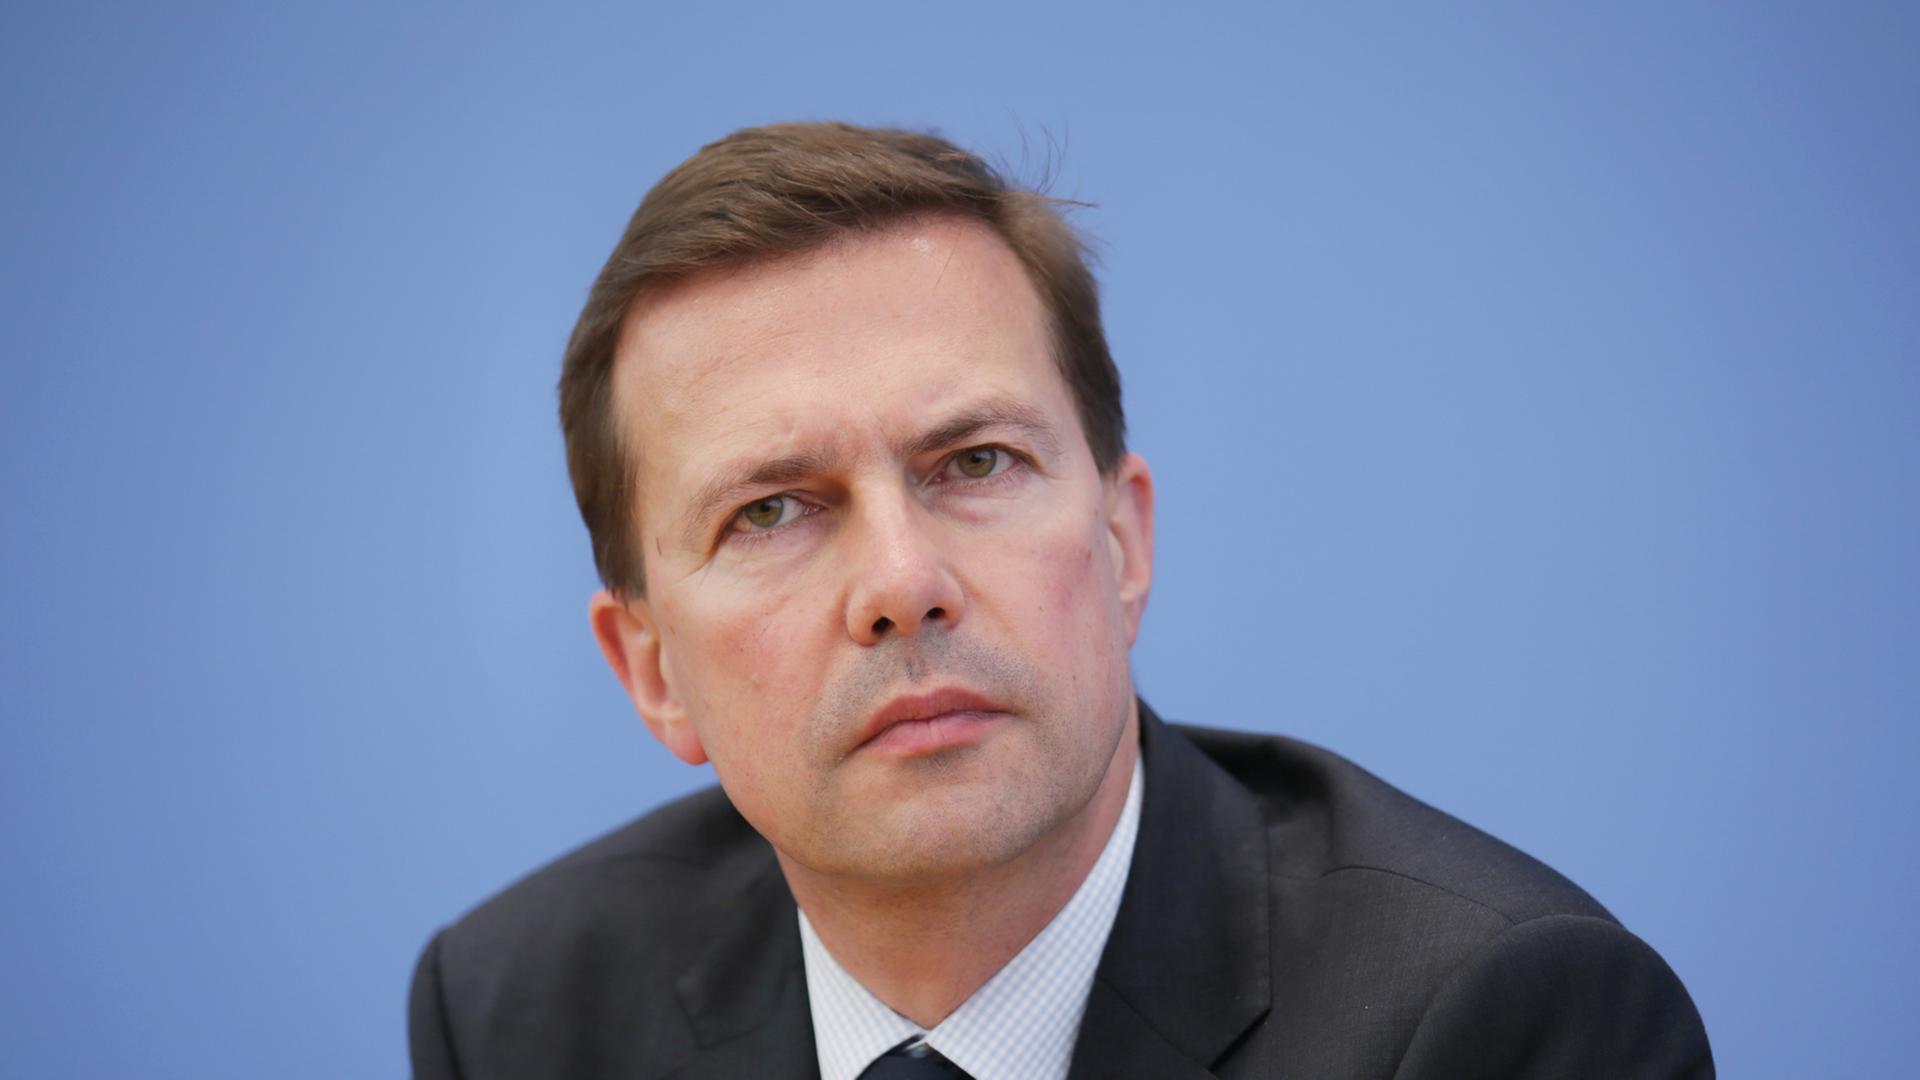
(1327, 816)
(656, 862)
(592, 943)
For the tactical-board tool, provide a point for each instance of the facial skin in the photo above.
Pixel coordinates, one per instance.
(898, 499)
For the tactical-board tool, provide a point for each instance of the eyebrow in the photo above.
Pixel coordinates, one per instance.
(989, 415)
(732, 482)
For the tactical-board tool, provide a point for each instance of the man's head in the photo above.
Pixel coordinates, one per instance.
(765, 192)
(863, 487)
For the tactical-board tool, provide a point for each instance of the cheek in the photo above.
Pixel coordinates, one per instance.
(739, 662)
(726, 632)
(1066, 586)
(1073, 579)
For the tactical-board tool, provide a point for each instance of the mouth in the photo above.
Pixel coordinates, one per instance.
(917, 724)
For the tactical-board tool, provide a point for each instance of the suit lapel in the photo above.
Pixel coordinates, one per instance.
(1186, 969)
(746, 998)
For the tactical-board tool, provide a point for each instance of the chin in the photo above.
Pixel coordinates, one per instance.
(944, 836)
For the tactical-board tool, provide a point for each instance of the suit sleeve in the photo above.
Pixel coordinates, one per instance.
(429, 1042)
(1562, 997)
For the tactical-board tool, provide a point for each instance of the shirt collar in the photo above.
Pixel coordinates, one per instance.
(1023, 1021)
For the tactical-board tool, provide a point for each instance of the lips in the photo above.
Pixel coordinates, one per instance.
(919, 723)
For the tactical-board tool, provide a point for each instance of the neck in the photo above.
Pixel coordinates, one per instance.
(924, 949)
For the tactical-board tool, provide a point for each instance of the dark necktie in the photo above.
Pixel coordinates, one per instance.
(912, 1060)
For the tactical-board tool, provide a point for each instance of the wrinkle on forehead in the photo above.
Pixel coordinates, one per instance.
(756, 298)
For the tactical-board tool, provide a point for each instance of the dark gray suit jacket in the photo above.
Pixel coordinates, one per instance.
(1287, 914)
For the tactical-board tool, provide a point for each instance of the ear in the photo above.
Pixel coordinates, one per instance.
(1130, 536)
(630, 640)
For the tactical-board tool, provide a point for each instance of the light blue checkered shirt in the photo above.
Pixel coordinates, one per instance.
(1023, 1022)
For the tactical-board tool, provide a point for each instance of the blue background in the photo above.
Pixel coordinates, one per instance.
(1533, 399)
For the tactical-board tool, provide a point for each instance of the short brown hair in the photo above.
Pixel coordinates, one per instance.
(784, 189)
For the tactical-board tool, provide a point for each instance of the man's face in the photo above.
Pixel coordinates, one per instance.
(865, 497)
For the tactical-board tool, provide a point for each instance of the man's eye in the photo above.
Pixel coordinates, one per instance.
(981, 462)
(768, 513)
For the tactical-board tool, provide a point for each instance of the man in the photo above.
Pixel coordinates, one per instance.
(844, 429)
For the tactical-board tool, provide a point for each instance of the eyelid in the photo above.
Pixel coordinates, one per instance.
(1014, 458)
(730, 532)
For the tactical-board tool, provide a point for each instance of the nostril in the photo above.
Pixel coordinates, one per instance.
(882, 624)
(936, 614)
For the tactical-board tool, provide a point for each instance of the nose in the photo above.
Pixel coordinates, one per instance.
(901, 581)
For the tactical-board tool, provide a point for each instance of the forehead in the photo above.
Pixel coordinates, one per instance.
(860, 338)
